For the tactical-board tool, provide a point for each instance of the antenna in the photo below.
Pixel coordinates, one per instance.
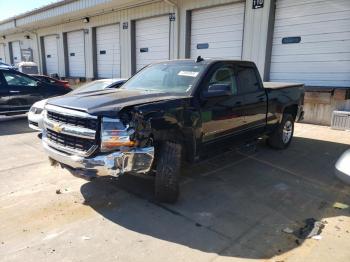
(199, 59)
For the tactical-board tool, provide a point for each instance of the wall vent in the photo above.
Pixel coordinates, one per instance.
(341, 120)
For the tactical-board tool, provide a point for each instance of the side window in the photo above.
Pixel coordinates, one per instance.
(225, 75)
(14, 79)
(248, 82)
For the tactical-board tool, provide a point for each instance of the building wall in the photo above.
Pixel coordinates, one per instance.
(255, 29)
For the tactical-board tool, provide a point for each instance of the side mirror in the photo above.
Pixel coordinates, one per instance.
(218, 90)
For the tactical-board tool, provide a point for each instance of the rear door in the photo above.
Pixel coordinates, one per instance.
(23, 90)
(255, 99)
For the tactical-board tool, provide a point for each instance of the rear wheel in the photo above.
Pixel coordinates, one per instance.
(282, 136)
(168, 172)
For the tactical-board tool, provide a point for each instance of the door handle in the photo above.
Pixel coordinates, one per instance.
(14, 92)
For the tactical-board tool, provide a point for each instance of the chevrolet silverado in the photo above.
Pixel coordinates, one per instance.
(167, 113)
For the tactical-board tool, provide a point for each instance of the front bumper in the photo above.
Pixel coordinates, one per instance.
(136, 160)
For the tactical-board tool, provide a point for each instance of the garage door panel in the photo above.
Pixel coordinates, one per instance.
(152, 40)
(312, 67)
(227, 19)
(324, 28)
(221, 28)
(218, 11)
(313, 58)
(218, 45)
(51, 54)
(310, 76)
(108, 51)
(321, 18)
(312, 48)
(311, 8)
(317, 28)
(76, 55)
(234, 53)
(342, 36)
(220, 37)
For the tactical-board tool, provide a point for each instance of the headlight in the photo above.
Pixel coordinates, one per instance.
(115, 135)
(36, 110)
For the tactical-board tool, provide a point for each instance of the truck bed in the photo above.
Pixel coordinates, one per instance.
(280, 85)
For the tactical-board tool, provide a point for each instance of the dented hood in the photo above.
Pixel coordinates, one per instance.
(110, 102)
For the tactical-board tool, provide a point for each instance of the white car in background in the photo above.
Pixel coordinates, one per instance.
(35, 114)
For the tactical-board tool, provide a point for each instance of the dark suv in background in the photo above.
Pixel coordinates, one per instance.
(19, 91)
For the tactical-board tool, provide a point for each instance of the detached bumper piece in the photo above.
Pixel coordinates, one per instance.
(136, 160)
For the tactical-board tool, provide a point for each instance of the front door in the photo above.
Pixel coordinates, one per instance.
(222, 116)
(23, 91)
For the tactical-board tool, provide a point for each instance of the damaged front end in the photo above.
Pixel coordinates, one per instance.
(121, 145)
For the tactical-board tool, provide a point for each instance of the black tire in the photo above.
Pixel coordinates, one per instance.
(277, 139)
(168, 172)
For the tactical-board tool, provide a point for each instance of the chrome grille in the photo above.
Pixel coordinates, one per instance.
(71, 142)
(70, 131)
(72, 120)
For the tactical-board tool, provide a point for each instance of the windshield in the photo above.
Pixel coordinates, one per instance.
(178, 78)
(93, 86)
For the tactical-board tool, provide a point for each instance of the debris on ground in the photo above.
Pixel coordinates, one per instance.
(58, 191)
(288, 230)
(318, 237)
(339, 205)
(86, 238)
(311, 228)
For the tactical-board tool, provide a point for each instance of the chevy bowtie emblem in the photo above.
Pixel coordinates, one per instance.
(57, 128)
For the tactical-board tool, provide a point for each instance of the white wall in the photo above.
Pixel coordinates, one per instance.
(255, 31)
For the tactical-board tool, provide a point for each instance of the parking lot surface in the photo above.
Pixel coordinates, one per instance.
(233, 206)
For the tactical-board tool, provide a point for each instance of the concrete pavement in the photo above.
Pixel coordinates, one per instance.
(233, 207)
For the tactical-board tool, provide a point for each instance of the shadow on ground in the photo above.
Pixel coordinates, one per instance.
(12, 125)
(235, 204)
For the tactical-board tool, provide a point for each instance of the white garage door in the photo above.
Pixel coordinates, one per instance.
(16, 52)
(51, 54)
(311, 42)
(218, 32)
(152, 40)
(108, 51)
(76, 56)
(2, 53)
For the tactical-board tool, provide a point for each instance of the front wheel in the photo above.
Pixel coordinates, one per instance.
(282, 136)
(168, 172)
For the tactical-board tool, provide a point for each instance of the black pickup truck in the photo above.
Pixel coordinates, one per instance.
(169, 112)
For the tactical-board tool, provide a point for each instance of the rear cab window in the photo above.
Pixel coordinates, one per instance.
(247, 79)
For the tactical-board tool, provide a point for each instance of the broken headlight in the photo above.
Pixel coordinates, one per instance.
(114, 134)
